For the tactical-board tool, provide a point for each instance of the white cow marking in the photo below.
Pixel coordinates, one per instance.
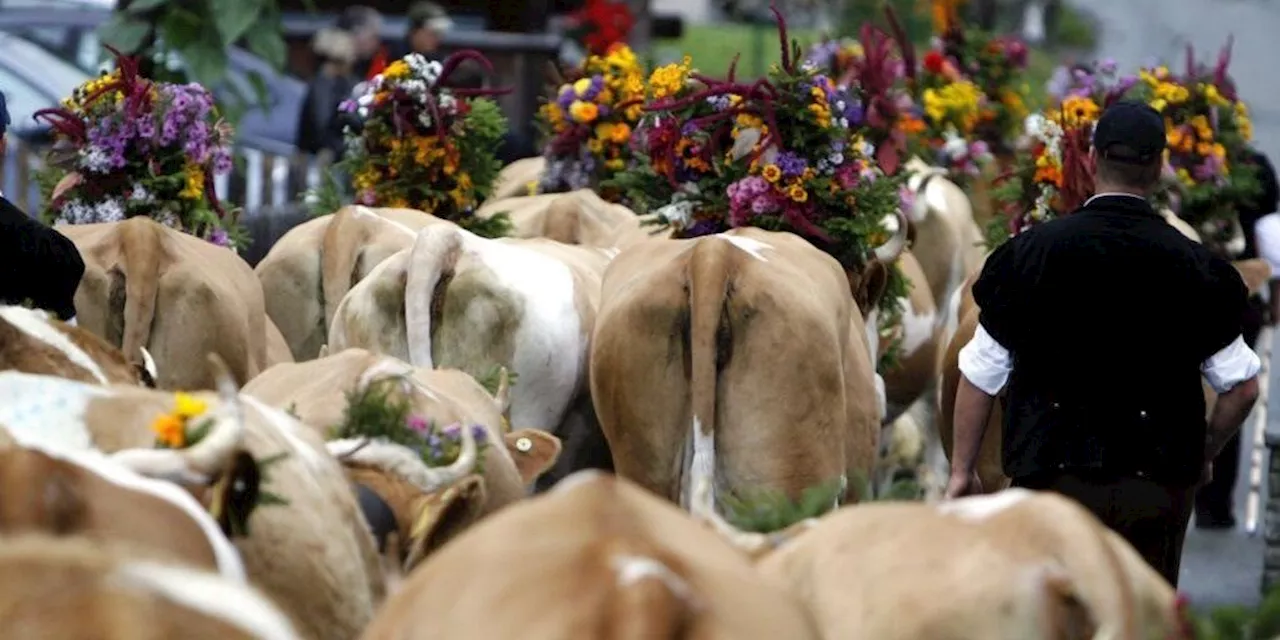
(871, 327)
(237, 605)
(550, 344)
(36, 325)
(702, 468)
(611, 252)
(224, 553)
(917, 328)
(46, 411)
(983, 507)
(882, 399)
(753, 247)
(633, 569)
(149, 363)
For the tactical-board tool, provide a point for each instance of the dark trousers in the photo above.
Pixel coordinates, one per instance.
(1151, 516)
(1215, 500)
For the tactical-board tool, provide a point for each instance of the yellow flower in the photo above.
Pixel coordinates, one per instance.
(1159, 104)
(170, 431)
(187, 406)
(797, 193)
(396, 70)
(771, 172)
(532, 187)
(1185, 177)
(1212, 94)
(195, 183)
(621, 133)
(668, 80)
(584, 112)
(582, 86)
(821, 114)
(595, 145)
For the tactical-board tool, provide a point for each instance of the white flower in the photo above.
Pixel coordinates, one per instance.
(867, 149)
(95, 160)
(954, 146)
(679, 214)
(109, 210)
(141, 194)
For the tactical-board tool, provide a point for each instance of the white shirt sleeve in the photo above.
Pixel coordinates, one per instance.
(985, 362)
(71, 321)
(1231, 366)
(1266, 235)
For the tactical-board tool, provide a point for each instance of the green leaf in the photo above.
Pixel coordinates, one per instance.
(234, 17)
(260, 92)
(143, 6)
(124, 32)
(263, 39)
(202, 51)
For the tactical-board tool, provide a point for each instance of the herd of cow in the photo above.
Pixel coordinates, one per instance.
(695, 370)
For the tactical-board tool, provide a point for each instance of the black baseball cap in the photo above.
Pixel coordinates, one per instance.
(1131, 132)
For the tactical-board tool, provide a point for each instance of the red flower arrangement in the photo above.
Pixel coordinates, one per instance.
(601, 24)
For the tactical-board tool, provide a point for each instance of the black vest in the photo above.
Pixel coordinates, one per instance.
(1108, 313)
(37, 264)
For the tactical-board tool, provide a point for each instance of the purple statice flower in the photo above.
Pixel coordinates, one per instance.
(566, 98)
(853, 112)
(792, 165)
(418, 424)
(720, 102)
(1108, 66)
(1059, 83)
(348, 106)
(222, 163)
(367, 198)
(219, 237)
(702, 227)
(480, 434)
(906, 198)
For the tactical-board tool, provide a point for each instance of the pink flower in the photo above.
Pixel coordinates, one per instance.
(418, 424)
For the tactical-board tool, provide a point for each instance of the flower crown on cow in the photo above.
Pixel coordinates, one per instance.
(379, 411)
(426, 145)
(186, 426)
(1051, 175)
(587, 127)
(1208, 157)
(127, 146)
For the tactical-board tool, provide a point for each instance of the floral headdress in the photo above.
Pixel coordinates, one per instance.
(426, 145)
(185, 426)
(1050, 176)
(1208, 132)
(588, 125)
(127, 146)
(945, 129)
(378, 411)
(601, 24)
(783, 153)
(888, 113)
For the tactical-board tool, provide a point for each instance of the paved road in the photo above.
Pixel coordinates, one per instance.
(1218, 568)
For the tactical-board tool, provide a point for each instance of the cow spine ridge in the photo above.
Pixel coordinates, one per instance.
(709, 265)
(432, 259)
(338, 259)
(140, 244)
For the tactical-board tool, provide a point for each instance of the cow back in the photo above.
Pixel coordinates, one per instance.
(290, 276)
(595, 557)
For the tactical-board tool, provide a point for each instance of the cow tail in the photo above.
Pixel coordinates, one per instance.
(140, 240)
(344, 240)
(432, 261)
(709, 269)
(649, 599)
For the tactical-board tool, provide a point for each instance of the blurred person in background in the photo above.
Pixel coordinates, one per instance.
(39, 267)
(365, 26)
(320, 124)
(428, 22)
(515, 145)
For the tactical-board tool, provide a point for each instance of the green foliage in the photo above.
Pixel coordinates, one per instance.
(200, 31)
(240, 521)
(331, 194)
(1241, 623)
(889, 321)
(381, 411)
(769, 511)
(493, 377)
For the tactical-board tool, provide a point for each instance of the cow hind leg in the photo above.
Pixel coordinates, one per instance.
(583, 445)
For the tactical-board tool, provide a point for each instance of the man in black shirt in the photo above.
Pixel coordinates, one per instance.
(1102, 324)
(1215, 501)
(37, 264)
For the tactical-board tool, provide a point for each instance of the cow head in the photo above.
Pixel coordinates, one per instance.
(399, 494)
(217, 469)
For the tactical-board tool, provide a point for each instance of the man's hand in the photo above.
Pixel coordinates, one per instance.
(963, 484)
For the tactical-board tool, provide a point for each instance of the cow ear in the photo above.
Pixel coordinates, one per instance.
(869, 285)
(443, 515)
(235, 495)
(534, 452)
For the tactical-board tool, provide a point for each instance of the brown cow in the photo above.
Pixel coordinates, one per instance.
(917, 368)
(460, 301)
(514, 179)
(596, 557)
(743, 358)
(314, 555)
(33, 341)
(577, 217)
(1016, 565)
(425, 516)
(310, 269)
(146, 285)
(948, 241)
(78, 588)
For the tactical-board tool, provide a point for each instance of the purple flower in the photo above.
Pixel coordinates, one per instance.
(1108, 66)
(479, 433)
(853, 112)
(219, 237)
(418, 424)
(791, 164)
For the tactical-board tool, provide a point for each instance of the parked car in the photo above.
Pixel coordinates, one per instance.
(68, 29)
